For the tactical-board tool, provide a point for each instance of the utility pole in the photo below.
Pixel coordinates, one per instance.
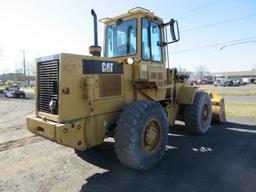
(1, 60)
(24, 65)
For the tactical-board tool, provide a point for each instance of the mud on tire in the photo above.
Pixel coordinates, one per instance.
(141, 135)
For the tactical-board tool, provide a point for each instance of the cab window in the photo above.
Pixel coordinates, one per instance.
(151, 40)
(121, 38)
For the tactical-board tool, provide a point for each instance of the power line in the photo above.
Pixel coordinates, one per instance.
(197, 8)
(245, 42)
(215, 45)
(204, 7)
(218, 23)
(210, 47)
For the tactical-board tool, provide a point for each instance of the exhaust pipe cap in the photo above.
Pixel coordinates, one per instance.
(95, 50)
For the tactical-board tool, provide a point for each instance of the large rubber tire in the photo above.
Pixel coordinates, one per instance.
(198, 116)
(130, 132)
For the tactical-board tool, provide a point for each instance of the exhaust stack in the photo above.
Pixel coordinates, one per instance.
(95, 50)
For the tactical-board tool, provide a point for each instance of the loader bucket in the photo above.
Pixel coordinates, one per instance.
(218, 108)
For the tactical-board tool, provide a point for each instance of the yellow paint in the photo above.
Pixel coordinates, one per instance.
(84, 116)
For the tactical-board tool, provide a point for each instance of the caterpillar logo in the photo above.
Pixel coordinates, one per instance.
(101, 67)
(107, 67)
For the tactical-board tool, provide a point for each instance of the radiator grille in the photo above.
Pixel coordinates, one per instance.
(48, 76)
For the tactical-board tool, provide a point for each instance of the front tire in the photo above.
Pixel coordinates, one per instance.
(198, 116)
(141, 135)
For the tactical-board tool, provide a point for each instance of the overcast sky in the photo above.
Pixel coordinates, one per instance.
(45, 27)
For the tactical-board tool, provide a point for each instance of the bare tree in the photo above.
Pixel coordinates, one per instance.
(1, 58)
(31, 68)
(254, 67)
(181, 69)
(19, 74)
(201, 72)
(24, 65)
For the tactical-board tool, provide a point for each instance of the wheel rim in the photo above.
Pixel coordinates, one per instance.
(205, 113)
(152, 136)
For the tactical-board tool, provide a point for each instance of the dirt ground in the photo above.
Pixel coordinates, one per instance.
(221, 160)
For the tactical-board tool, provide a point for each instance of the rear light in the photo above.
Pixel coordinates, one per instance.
(65, 91)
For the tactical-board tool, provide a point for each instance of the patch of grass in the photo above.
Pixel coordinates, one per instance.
(30, 94)
(236, 92)
(240, 90)
(240, 109)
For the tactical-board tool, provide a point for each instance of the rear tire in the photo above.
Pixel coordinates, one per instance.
(141, 135)
(198, 116)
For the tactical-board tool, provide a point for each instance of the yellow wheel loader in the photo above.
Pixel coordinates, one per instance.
(130, 93)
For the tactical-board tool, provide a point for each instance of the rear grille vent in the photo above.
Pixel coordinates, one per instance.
(153, 75)
(160, 76)
(48, 77)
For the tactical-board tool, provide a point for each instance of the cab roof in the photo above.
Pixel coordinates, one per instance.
(134, 11)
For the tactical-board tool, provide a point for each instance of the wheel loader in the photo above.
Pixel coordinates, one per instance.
(130, 93)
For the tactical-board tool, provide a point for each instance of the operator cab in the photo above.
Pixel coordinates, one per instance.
(138, 34)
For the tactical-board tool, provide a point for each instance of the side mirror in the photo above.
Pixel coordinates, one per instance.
(174, 32)
(174, 29)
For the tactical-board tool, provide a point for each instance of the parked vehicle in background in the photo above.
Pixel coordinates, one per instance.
(221, 81)
(202, 82)
(209, 79)
(245, 81)
(193, 82)
(234, 82)
(14, 91)
(19, 83)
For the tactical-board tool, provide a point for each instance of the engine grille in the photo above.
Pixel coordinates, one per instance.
(48, 77)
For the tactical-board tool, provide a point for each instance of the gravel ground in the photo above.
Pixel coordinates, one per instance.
(222, 160)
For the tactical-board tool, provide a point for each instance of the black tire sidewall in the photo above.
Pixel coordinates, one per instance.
(204, 125)
(193, 117)
(130, 131)
(155, 157)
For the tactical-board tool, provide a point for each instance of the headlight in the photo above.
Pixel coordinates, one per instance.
(130, 60)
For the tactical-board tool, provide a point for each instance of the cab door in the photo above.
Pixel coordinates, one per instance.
(151, 51)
